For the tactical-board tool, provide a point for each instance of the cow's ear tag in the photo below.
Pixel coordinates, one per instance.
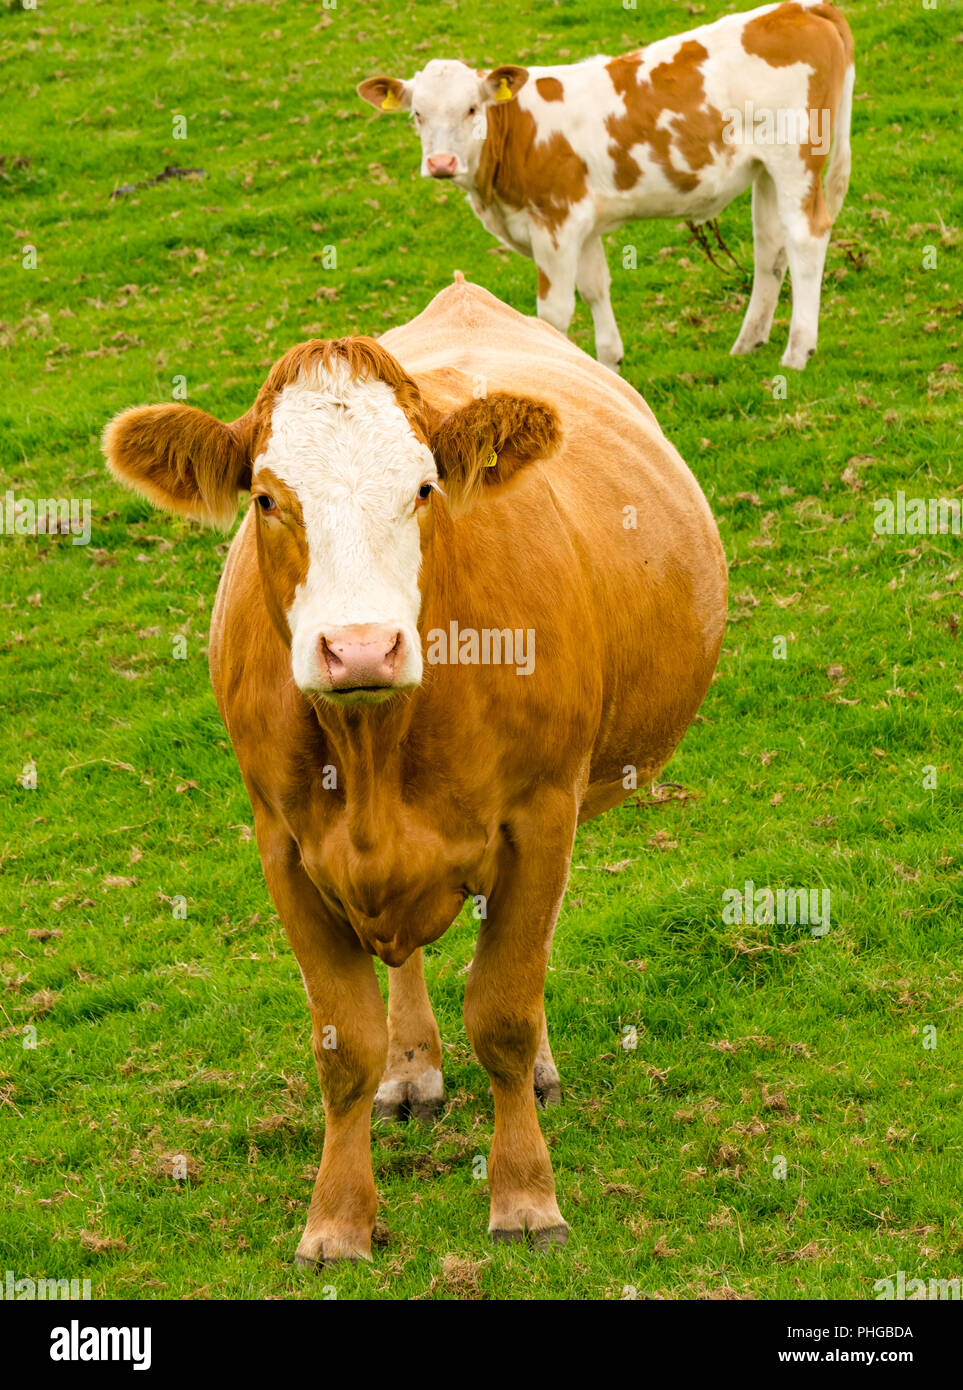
(391, 102)
(503, 92)
(492, 459)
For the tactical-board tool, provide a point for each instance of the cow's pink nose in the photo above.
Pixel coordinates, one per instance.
(442, 166)
(357, 657)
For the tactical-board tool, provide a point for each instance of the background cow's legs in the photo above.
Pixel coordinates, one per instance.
(350, 1040)
(557, 268)
(806, 250)
(412, 1079)
(769, 254)
(504, 1015)
(593, 281)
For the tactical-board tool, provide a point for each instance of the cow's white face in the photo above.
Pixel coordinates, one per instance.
(338, 488)
(341, 454)
(448, 107)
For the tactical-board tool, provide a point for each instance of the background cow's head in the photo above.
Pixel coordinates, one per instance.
(345, 461)
(449, 104)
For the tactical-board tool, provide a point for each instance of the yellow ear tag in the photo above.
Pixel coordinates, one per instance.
(492, 459)
(391, 102)
(503, 91)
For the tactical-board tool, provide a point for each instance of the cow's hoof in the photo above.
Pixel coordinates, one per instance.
(422, 1098)
(317, 1266)
(544, 1238)
(548, 1088)
(549, 1236)
(796, 358)
(743, 346)
(507, 1237)
(317, 1253)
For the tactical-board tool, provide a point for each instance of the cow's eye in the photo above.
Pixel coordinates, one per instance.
(424, 492)
(472, 110)
(267, 504)
(418, 116)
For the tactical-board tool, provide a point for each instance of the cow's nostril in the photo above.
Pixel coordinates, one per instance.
(331, 656)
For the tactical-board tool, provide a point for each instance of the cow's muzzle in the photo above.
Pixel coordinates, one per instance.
(361, 659)
(442, 166)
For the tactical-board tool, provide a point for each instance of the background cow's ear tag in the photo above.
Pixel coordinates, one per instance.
(391, 102)
(492, 459)
(503, 91)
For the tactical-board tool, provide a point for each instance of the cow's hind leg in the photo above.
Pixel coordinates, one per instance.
(769, 266)
(594, 282)
(412, 1082)
(807, 227)
(505, 1015)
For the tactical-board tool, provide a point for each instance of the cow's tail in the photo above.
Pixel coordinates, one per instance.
(840, 156)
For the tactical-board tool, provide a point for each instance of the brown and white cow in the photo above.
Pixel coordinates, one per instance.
(552, 158)
(472, 473)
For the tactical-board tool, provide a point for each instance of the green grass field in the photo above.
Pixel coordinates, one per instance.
(829, 761)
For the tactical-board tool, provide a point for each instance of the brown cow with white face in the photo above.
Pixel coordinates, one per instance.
(552, 158)
(476, 599)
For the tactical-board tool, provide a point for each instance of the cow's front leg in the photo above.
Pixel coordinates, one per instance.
(350, 1044)
(350, 1040)
(412, 1081)
(594, 283)
(769, 252)
(547, 1084)
(505, 1017)
(556, 256)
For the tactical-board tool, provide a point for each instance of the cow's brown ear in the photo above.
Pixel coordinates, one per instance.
(485, 442)
(181, 459)
(386, 93)
(503, 83)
